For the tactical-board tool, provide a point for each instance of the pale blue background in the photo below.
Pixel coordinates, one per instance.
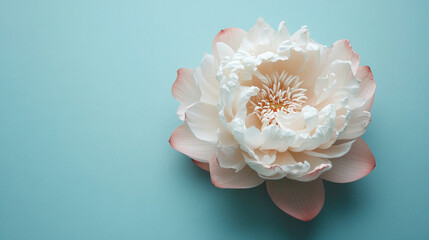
(86, 113)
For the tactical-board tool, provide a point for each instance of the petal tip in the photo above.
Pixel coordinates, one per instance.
(202, 165)
(301, 200)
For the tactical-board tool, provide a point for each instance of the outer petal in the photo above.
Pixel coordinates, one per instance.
(228, 178)
(185, 90)
(353, 166)
(284, 165)
(202, 165)
(203, 120)
(334, 151)
(318, 166)
(185, 142)
(209, 87)
(302, 200)
(231, 157)
(231, 36)
(367, 86)
(341, 50)
(359, 121)
(261, 34)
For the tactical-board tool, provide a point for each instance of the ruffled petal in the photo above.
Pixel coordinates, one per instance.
(230, 36)
(367, 86)
(185, 142)
(231, 157)
(203, 120)
(353, 166)
(302, 200)
(284, 165)
(253, 137)
(301, 37)
(185, 90)
(334, 151)
(317, 166)
(209, 68)
(322, 134)
(359, 121)
(209, 87)
(276, 138)
(228, 178)
(342, 50)
(282, 32)
(224, 50)
(262, 34)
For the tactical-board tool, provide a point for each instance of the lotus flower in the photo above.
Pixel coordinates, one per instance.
(285, 110)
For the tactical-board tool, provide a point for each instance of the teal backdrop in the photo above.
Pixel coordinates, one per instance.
(86, 112)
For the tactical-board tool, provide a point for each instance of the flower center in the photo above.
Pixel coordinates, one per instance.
(279, 93)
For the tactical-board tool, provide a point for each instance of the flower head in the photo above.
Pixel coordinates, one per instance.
(267, 106)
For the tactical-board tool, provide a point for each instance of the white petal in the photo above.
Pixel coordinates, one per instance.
(226, 139)
(203, 120)
(294, 120)
(292, 168)
(266, 157)
(209, 87)
(311, 117)
(231, 157)
(261, 34)
(359, 121)
(224, 50)
(228, 178)
(318, 166)
(283, 166)
(209, 68)
(345, 78)
(302, 36)
(341, 50)
(334, 151)
(253, 137)
(324, 86)
(367, 86)
(185, 90)
(283, 33)
(243, 96)
(185, 142)
(230, 36)
(266, 171)
(276, 138)
(322, 134)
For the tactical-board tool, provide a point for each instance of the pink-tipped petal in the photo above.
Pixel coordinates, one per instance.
(342, 50)
(367, 86)
(231, 157)
(185, 142)
(356, 164)
(203, 121)
(231, 36)
(318, 166)
(228, 178)
(302, 200)
(202, 165)
(359, 121)
(209, 87)
(334, 151)
(185, 90)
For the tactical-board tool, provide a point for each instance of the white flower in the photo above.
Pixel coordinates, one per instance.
(275, 107)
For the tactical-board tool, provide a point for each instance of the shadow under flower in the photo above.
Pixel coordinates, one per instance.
(251, 211)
